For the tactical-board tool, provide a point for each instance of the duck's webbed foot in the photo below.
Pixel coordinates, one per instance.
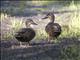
(21, 45)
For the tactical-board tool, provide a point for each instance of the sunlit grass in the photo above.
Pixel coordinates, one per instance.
(9, 25)
(40, 3)
(69, 29)
(16, 25)
(73, 6)
(72, 29)
(41, 34)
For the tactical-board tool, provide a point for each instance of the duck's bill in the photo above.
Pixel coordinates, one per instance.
(45, 17)
(34, 23)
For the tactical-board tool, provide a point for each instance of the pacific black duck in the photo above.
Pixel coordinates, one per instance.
(26, 34)
(52, 29)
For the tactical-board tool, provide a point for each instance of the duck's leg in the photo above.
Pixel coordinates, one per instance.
(28, 44)
(54, 39)
(21, 45)
(50, 39)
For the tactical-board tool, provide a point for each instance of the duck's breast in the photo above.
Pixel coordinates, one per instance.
(25, 34)
(53, 29)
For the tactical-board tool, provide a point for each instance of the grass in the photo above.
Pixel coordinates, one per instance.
(41, 34)
(70, 53)
(9, 25)
(72, 29)
(69, 29)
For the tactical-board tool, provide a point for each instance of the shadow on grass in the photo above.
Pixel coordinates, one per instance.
(39, 51)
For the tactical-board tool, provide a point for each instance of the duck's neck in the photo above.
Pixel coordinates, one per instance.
(28, 26)
(52, 18)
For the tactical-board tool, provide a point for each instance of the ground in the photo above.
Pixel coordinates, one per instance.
(36, 51)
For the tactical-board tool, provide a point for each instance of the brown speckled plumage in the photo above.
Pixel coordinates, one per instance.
(52, 29)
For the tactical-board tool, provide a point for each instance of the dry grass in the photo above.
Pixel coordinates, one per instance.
(9, 25)
(70, 25)
(70, 28)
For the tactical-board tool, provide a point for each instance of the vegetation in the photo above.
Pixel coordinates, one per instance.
(70, 27)
(70, 30)
(70, 53)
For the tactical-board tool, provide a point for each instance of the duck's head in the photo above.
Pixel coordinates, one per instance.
(50, 15)
(30, 23)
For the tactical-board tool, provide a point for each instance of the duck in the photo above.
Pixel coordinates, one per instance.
(26, 34)
(52, 29)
